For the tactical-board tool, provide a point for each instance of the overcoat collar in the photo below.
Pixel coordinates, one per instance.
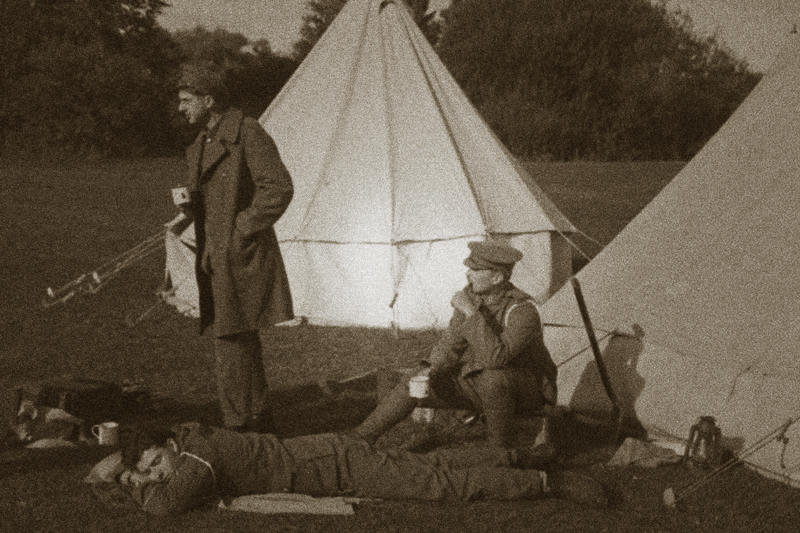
(210, 147)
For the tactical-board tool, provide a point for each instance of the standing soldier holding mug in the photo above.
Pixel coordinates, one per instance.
(238, 187)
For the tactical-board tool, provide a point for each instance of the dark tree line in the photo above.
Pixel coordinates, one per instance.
(84, 77)
(253, 73)
(588, 79)
(555, 79)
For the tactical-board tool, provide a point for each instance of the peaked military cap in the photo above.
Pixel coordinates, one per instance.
(203, 79)
(492, 255)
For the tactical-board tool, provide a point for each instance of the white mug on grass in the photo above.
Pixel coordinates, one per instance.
(107, 433)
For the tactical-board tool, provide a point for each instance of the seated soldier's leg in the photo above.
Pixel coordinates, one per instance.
(393, 408)
(493, 391)
(534, 399)
(503, 395)
(445, 393)
(398, 404)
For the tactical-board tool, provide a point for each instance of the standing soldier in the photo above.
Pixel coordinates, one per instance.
(238, 187)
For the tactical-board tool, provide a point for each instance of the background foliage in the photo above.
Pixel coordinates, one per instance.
(555, 79)
(255, 74)
(320, 14)
(85, 76)
(581, 79)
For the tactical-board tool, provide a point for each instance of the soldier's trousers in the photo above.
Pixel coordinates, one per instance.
(336, 465)
(241, 381)
(500, 394)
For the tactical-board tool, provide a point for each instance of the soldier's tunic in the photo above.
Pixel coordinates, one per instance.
(505, 335)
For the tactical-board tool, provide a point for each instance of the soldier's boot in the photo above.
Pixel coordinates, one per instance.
(576, 487)
(499, 423)
(541, 454)
(394, 407)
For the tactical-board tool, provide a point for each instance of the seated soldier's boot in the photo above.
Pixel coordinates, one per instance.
(576, 487)
(393, 408)
(536, 457)
(422, 440)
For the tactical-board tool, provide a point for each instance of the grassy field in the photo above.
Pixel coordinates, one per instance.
(58, 222)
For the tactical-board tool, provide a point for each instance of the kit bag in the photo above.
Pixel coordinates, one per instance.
(89, 399)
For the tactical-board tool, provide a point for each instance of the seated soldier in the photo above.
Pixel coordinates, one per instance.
(491, 359)
(169, 471)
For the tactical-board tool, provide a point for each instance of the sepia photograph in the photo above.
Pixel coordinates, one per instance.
(446, 266)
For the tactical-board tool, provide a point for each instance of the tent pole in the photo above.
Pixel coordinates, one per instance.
(601, 367)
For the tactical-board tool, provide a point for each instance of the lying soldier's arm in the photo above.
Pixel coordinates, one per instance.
(192, 485)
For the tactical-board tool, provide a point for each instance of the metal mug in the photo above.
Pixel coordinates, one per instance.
(107, 433)
(418, 387)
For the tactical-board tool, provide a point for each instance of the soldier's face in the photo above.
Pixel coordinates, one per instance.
(156, 465)
(197, 109)
(483, 281)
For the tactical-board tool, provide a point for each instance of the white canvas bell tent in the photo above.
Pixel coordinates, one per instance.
(705, 282)
(394, 172)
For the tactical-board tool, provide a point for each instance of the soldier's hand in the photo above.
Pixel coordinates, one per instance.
(464, 303)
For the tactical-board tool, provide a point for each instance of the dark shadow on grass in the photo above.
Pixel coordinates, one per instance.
(582, 443)
(328, 414)
(301, 410)
(167, 411)
(20, 461)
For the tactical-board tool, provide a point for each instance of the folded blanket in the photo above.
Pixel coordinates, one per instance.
(640, 453)
(275, 503)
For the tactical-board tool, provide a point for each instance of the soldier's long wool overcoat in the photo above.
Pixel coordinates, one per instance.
(239, 188)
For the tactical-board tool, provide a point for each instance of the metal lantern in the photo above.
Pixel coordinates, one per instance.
(704, 448)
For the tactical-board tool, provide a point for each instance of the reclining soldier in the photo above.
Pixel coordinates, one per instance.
(173, 470)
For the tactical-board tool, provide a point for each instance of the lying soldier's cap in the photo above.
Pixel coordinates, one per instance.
(492, 255)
